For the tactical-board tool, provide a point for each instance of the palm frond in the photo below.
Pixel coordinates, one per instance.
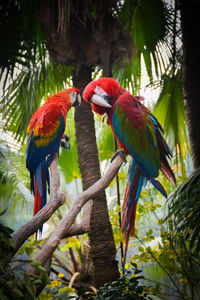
(15, 196)
(184, 207)
(18, 27)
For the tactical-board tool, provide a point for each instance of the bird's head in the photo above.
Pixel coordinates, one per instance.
(102, 94)
(75, 96)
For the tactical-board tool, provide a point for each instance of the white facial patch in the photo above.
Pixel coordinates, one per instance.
(99, 91)
(72, 97)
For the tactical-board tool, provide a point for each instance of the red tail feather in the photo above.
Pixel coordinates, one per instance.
(37, 199)
(130, 204)
(168, 173)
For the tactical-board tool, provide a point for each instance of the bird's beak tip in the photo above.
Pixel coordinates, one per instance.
(96, 99)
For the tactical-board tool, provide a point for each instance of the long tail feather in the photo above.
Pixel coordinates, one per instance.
(133, 189)
(164, 153)
(40, 181)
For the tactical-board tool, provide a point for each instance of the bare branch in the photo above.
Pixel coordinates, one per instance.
(63, 227)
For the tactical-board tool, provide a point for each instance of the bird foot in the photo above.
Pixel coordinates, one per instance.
(64, 142)
(66, 137)
(105, 119)
(122, 154)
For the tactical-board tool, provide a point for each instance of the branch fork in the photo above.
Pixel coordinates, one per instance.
(66, 227)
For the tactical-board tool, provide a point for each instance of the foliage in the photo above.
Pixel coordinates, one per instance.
(184, 208)
(68, 160)
(169, 250)
(18, 28)
(59, 289)
(140, 21)
(128, 286)
(7, 245)
(15, 283)
(14, 179)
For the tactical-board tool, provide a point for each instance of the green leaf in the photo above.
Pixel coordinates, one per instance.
(148, 24)
(105, 141)
(68, 160)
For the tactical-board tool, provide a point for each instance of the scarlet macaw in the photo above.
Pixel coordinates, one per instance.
(138, 134)
(45, 131)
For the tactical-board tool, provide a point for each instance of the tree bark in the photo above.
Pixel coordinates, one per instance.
(190, 19)
(102, 251)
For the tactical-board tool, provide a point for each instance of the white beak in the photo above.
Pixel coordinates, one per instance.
(99, 100)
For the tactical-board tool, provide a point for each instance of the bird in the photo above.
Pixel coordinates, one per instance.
(139, 134)
(45, 133)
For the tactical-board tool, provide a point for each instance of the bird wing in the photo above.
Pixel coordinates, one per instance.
(44, 131)
(135, 131)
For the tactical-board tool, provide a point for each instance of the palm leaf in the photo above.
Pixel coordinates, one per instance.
(184, 207)
(17, 27)
(147, 24)
(68, 160)
(105, 141)
(15, 196)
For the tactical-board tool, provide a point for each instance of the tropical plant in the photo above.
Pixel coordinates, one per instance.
(15, 196)
(128, 286)
(15, 283)
(184, 208)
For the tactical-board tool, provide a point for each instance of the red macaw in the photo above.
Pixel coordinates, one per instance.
(45, 131)
(139, 134)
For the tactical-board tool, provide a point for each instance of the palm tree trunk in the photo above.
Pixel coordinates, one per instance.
(190, 19)
(102, 251)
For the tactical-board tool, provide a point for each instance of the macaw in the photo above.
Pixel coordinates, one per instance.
(138, 134)
(45, 131)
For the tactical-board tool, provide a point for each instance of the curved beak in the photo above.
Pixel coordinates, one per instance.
(101, 100)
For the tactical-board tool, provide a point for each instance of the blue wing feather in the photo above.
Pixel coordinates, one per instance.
(35, 154)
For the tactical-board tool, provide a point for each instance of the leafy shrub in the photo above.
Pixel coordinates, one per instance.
(127, 287)
(15, 283)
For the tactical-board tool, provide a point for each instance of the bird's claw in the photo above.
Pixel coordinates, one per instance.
(64, 142)
(66, 137)
(122, 154)
(105, 119)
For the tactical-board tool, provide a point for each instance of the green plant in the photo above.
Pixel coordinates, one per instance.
(128, 286)
(171, 255)
(184, 208)
(15, 283)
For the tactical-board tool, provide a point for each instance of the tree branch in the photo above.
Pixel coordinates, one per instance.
(63, 227)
